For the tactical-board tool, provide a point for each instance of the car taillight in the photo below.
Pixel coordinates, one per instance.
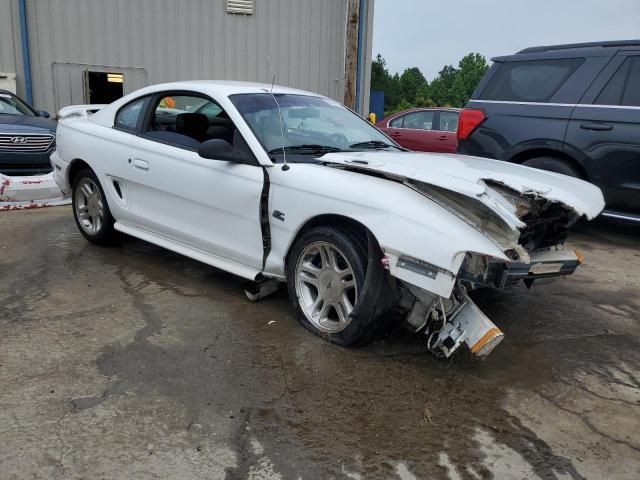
(469, 120)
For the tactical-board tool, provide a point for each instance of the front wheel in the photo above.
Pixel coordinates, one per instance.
(90, 209)
(327, 274)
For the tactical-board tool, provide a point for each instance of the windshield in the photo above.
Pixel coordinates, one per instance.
(10, 105)
(311, 125)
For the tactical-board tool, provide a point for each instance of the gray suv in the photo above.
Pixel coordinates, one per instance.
(572, 109)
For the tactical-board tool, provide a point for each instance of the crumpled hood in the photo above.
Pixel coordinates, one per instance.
(467, 175)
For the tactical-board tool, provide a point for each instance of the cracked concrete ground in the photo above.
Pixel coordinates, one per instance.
(133, 362)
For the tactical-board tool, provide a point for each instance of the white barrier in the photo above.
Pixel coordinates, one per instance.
(18, 193)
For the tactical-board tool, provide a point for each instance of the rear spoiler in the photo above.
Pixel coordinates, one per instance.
(78, 111)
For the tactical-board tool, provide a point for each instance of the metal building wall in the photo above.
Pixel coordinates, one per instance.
(10, 52)
(153, 41)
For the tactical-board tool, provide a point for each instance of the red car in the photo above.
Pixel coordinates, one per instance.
(423, 129)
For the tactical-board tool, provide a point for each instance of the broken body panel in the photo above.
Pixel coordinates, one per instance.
(403, 199)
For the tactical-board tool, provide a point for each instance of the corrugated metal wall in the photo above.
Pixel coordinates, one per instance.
(153, 41)
(10, 59)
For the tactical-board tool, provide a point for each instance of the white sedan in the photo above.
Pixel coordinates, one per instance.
(279, 185)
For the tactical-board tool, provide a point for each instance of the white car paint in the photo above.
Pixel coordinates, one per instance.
(465, 175)
(79, 110)
(210, 210)
(403, 221)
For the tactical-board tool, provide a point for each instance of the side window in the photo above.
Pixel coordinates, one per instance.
(188, 120)
(397, 122)
(623, 88)
(419, 120)
(631, 95)
(210, 109)
(530, 81)
(448, 121)
(128, 116)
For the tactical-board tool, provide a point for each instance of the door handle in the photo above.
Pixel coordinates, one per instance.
(141, 164)
(442, 138)
(596, 126)
(396, 134)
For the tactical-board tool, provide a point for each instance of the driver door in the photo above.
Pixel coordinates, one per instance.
(208, 205)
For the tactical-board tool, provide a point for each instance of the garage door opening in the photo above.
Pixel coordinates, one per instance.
(103, 87)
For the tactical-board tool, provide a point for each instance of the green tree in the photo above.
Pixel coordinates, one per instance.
(440, 90)
(423, 97)
(411, 82)
(379, 74)
(471, 69)
(452, 87)
(381, 79)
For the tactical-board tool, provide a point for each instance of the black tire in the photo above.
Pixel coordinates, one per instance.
(375, 290)
(105, 235)
(553, 164)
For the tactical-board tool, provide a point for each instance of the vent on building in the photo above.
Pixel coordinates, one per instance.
(244, 7)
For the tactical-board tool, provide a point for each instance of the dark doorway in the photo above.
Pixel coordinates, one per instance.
(103, 87)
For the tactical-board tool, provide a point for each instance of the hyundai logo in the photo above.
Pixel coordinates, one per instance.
(18, 140)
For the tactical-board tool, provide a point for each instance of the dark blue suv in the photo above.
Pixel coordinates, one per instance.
(27, 137)
(572, 109)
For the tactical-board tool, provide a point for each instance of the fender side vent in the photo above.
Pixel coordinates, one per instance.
(116, 186)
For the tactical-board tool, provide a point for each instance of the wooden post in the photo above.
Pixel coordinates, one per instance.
(351, 55)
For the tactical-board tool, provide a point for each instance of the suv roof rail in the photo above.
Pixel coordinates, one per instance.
(567, 46)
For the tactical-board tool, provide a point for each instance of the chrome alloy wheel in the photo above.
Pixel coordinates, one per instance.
(89, 206)
(325, 286)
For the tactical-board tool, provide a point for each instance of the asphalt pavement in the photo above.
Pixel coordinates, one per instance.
(134, 362)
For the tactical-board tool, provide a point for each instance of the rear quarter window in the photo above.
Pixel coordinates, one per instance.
(623, 88)
(530, 81)
(397, 122)
(129, 116)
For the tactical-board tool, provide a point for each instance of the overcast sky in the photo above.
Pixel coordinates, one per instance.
(432, 33)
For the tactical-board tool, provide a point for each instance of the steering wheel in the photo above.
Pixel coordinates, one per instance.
(339, 139)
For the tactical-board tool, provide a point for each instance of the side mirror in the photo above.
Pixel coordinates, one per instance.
(44, 113)
(218, 149)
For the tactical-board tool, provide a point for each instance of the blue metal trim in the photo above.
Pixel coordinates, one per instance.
(359, 71)
(26, 57)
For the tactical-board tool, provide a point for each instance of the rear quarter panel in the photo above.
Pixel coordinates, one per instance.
(106, 150)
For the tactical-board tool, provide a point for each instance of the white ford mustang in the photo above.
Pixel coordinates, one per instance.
(279, 185)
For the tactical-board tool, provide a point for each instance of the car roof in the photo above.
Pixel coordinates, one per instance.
(421, 109)
(224, 87)
(604, 48)
(569, 46)
(213, 88)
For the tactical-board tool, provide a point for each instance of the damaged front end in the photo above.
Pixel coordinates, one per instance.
(512, 221)
(527, 227)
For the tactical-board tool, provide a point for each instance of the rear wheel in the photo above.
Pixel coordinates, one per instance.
(90, 208)
(553, 164)
(329, 276)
